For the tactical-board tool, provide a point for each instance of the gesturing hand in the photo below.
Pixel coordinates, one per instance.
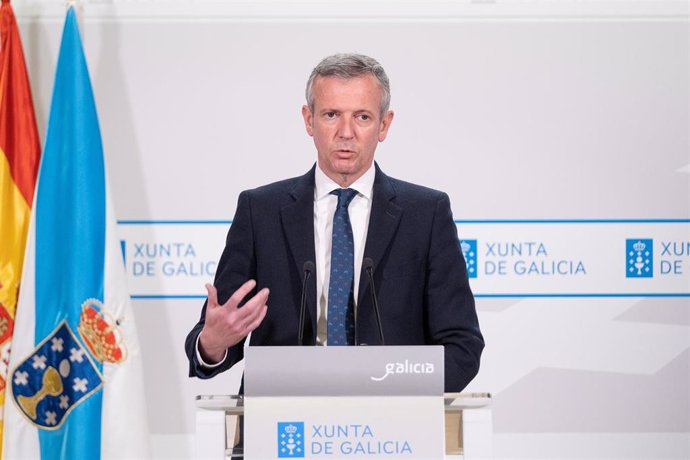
(227, 324)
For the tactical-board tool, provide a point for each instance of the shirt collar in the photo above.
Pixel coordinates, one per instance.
(325, 185)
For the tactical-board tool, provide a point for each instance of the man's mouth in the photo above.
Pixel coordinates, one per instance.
(344, 150)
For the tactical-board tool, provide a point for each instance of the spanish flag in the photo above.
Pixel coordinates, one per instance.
(19, 158)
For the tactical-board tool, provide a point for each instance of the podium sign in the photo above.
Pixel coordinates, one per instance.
(344, 402)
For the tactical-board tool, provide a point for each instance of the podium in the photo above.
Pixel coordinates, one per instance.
(344, 402)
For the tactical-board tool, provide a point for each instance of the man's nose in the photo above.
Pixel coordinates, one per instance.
(345, 128)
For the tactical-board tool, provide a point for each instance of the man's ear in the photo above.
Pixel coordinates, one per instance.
(308, 120)
(385, 124)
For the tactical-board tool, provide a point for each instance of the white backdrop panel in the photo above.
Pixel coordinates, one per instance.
(568, 117)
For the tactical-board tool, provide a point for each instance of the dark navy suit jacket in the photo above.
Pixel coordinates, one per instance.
(419, 272)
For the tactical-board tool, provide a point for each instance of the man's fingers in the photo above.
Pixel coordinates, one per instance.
(240, 294)
(212, 295)
(251, 321)
(248, 318)
(254, 324)
(227, 325)
(252, 307)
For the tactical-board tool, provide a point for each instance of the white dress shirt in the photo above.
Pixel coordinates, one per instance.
(324, 209)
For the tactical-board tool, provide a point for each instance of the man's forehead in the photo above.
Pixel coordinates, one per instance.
(361, 90)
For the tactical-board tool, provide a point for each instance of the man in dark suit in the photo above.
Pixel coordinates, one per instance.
(406, 230)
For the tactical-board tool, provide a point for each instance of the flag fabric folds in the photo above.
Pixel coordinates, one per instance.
(19, 155)
(75, 371)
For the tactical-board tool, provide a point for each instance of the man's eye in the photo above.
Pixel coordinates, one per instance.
(364, 117)
(329, 114)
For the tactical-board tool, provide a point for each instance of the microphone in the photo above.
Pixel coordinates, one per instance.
(368, 266)
(307, 268)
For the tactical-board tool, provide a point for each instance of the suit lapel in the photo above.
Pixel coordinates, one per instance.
(298, 225)
(383, 221)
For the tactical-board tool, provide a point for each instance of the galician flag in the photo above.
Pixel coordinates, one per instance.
(75, 374)
(19, 155)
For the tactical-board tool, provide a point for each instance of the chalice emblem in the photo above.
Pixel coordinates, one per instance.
(640, 262)
(51, 386)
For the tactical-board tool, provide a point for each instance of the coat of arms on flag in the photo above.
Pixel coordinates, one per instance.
(55, 378)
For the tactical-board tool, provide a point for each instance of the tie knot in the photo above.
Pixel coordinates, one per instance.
(345, 195)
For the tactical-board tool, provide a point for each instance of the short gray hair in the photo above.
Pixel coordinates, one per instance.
(348, 66)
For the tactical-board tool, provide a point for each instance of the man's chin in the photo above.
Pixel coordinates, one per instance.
(344, 170)
(345, 167)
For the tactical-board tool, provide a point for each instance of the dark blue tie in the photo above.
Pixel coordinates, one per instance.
(341, 324)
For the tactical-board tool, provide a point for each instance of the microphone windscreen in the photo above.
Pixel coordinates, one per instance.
(308, 266)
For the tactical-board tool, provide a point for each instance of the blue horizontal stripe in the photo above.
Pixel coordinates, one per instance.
(174, 222)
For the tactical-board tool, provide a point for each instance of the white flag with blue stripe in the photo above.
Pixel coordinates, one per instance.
(75, 375)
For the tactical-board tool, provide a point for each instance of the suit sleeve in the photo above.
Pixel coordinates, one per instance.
(452, 317)
(237, 265)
